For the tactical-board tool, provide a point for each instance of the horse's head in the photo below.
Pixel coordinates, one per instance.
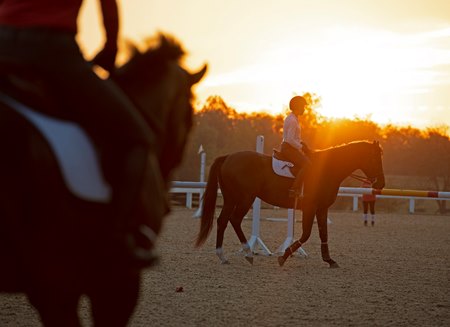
(161, 89)
(372, 164)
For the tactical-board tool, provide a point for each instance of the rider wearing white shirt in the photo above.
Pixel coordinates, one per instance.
(292, 145)
(292, 131)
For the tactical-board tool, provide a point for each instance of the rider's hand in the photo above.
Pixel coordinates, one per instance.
(306, 150)
(106, 58)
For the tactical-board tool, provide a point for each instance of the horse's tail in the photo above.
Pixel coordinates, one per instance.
(209, 201)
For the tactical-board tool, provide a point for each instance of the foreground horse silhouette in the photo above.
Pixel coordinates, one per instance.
(243, 176)
(55, 246)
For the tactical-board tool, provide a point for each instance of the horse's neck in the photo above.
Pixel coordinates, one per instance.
(338, 161)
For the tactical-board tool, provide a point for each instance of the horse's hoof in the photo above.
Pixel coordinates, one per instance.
(249, 259)
(334, 265)
(281, 261)
(225, 262)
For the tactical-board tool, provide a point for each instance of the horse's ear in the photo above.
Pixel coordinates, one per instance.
(196, 77)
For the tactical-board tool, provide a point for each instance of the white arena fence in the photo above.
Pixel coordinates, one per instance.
(191, 188)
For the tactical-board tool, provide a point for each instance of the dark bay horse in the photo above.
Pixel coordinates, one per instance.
(56, 247)
(243, 176)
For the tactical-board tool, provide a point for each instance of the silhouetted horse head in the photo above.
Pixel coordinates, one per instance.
(150, 78)
(372, 165)
(161, 89)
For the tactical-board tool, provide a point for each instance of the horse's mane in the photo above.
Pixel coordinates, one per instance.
(344, 147)
(159, 51)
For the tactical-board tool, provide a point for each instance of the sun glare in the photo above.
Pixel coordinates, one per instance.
(356, 73)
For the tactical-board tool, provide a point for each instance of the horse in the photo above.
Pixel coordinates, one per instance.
(56, 247)
(245, 175)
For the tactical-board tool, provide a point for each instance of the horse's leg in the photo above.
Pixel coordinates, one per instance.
(56, 308)
(322, 223)
(222, 223)
(307, 222)
(114, 296)
(236, 221)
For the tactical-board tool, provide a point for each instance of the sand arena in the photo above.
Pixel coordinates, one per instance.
(394, 274)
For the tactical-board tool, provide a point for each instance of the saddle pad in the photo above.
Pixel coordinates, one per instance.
(281, 167)
(74, 152)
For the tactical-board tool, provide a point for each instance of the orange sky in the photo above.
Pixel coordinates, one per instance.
(389, 59)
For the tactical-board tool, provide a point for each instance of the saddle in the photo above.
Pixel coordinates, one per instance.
(282, 166)
(73, 148)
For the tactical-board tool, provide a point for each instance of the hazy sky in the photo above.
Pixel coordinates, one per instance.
(389, 59)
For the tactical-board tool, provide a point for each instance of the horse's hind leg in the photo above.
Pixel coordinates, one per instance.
(322, 223)
(222, 223)
(236, 221)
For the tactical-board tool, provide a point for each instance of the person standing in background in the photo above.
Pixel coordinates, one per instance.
(368, 201)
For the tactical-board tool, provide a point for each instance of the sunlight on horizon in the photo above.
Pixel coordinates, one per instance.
(356, 73)
(392, 70)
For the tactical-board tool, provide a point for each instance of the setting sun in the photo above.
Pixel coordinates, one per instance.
(386, 60)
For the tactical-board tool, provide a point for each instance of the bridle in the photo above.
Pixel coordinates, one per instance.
(367, 179)
(364, 179)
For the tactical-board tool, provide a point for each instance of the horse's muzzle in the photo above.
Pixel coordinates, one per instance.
(379, 183)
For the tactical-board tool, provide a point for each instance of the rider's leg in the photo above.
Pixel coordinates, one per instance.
(299, 159)
(297, 186)
(130, 150)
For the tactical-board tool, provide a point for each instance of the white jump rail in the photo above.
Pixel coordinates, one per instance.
(190, 188)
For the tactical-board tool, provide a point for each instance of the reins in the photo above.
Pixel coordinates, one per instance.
(362, 178)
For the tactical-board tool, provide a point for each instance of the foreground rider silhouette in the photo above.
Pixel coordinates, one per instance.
(38, 37)
(292, 146)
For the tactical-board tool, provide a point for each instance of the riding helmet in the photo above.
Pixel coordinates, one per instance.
(297, 102)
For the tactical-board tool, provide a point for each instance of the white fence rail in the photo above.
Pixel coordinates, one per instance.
(190, 188)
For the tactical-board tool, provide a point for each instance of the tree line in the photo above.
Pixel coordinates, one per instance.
(408, 151)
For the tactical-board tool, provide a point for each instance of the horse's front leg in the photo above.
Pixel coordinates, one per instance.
(322, 223)
(56, 307)
(114, 293)
(307, 222)
(236, 221)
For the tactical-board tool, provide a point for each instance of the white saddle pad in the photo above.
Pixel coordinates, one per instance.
(74, 152)
(281, 167)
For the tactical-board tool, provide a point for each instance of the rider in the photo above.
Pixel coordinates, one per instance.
(292, 144)
(38, 37)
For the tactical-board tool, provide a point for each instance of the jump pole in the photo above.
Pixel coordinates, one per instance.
(398, 192)
(255, 239)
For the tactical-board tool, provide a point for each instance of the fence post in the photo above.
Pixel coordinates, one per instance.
(355, 203)
(202, 153)
(189, 200)
(411, 205)
(255, 239)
